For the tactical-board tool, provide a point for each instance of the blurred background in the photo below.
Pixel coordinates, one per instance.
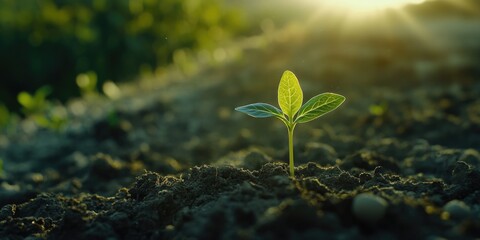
(57, 49)
(52, 51)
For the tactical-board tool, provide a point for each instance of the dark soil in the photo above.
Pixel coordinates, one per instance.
(171, 160)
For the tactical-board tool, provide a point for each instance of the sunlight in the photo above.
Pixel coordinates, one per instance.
(366, 6)
(361, 16)
(416, 28)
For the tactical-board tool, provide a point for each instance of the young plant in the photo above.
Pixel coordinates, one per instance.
(290, 98)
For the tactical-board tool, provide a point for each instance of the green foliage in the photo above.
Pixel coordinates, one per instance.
(87, 82)
(42, 111)
(34, 103)
(290, 95)
(260, 110)
(318, 106)
(113, 119)
(378, 109)
(4, 116)
(1, 167)
(50, 42)
(290, 98)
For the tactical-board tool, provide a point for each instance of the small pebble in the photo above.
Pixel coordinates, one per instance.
(457, 209)
(369, 208)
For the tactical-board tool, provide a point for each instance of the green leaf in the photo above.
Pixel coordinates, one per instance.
(318, 106)
(25, 99)
(290, 95)
(260, 110)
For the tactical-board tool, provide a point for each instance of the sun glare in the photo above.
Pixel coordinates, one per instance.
(365, 6)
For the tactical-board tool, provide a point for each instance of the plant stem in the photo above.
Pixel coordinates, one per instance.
(290, 149)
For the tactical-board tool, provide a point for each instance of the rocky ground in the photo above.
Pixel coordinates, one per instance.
(172, 160)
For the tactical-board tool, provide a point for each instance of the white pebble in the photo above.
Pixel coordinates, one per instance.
(369, 208)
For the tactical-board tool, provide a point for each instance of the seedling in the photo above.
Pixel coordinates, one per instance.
(290, 98)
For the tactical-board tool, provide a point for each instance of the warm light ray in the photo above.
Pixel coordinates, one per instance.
(417, 29)
(405, 21)
(369, 5)
(359, 15)
(362, 7)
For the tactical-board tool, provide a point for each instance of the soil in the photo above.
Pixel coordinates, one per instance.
(172, 160)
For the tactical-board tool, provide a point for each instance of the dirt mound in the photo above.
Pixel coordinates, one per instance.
(233, 203)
